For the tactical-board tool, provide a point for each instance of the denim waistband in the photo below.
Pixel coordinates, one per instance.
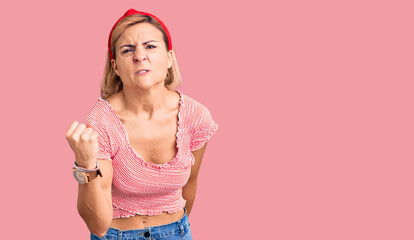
(180, 226)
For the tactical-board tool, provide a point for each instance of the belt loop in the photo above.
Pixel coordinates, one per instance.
(119, 234)
(180, 225)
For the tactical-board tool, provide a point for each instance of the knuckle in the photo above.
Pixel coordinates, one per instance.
(69, 137)
(84, 137)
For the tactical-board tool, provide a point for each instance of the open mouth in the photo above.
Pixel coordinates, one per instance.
(142, 72)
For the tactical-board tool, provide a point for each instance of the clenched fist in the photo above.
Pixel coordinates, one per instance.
(84, 143)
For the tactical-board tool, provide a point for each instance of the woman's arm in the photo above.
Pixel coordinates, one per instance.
(189, 190)
(95, 200)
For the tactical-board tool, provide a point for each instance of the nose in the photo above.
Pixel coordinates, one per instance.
(140, 55)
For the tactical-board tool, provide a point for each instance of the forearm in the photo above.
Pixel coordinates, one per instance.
(189, 193)
(94, 207)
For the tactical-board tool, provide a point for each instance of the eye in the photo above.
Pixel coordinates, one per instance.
(151, 46)
(126, 50)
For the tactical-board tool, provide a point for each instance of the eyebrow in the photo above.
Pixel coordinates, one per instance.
(130, 45)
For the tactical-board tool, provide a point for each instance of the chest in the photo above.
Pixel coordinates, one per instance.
(153, 141)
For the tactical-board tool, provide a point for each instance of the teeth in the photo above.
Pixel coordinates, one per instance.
(142, 71)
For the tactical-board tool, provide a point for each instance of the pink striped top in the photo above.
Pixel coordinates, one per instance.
(145, 188)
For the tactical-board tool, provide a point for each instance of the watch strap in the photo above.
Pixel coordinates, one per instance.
(88, 177)
(87, 170)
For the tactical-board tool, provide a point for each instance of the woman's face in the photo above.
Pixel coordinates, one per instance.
(141, 46)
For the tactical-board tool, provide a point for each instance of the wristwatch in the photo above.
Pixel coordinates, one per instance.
(83, 175)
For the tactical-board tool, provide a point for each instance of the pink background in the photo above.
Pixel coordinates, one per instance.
(314, 101)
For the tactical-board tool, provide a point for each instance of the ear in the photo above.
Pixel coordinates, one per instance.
(170, 58)
(113, 63)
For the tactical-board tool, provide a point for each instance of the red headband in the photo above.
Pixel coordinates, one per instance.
(131, 12)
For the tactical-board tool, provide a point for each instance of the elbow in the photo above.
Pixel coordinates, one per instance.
(100, 230)
(99, 234)
(97, 225)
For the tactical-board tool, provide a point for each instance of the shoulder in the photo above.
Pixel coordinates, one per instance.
(194, 107)
(200, 123)
(197, 114)
(97, 114)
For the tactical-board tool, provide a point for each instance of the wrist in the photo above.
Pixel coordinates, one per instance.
(83, 175)
(88, 166)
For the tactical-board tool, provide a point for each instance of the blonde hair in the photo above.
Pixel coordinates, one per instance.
(111, 82)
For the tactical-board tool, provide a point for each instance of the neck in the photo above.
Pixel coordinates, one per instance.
(145, 102)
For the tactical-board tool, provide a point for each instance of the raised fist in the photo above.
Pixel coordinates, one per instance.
(84, 143)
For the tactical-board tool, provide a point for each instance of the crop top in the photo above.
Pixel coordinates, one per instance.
(146, 188)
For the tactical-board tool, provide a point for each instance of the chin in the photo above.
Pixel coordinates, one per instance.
(148, 84)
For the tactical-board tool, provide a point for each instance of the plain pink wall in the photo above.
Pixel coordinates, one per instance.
(314, 101)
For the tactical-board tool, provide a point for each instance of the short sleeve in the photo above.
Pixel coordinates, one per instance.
(204, 128)
(95, 120)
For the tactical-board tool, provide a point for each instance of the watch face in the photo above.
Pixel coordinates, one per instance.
(79, 177)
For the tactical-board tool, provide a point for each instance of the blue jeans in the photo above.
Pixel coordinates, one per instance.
(179, 229)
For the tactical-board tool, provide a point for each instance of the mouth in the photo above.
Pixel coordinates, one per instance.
(142, 72)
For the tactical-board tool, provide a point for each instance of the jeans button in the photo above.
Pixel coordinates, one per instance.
(147, 234)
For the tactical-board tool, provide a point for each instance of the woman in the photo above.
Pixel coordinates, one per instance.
(139, 150)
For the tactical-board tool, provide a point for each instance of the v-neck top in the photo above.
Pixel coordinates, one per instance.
(145, 188)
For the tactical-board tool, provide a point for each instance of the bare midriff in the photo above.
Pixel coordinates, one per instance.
(142, 221)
